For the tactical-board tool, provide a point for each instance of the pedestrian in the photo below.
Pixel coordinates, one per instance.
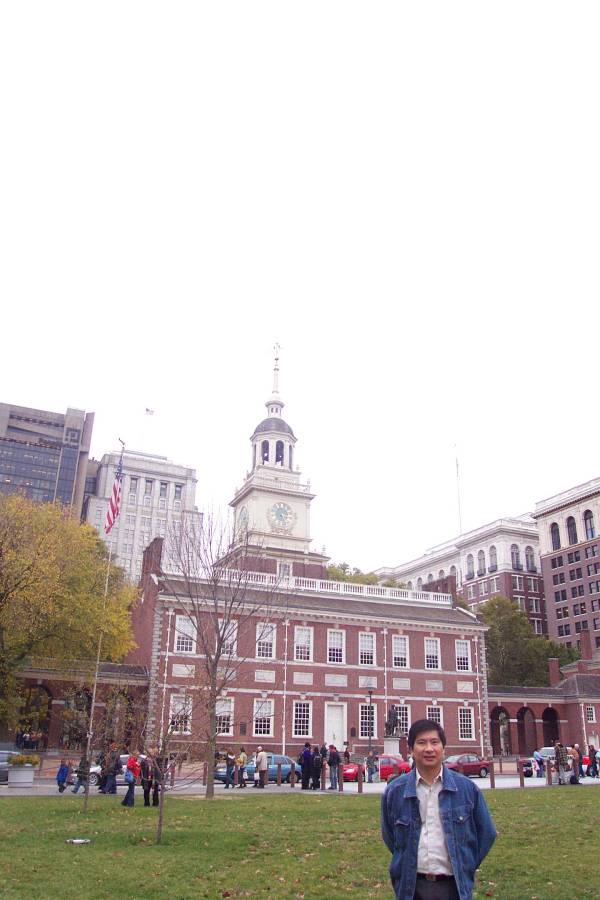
(62, 775)
(334, 766)
(146, 778)
(241, 762)
(435, 822)
(132, 773)
(539, 760)
(317, 766)
(598, 762)
(371, 766)
(575, 761)
(561, 761)
(113, 768)
(306, 762)
(229, 769)
(592, 769)
(346, 756)
(262, 766)
(160, 767)
(82, 774)
(580, 771)
(323, 752)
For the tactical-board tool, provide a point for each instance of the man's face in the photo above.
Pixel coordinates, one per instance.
(428, 752)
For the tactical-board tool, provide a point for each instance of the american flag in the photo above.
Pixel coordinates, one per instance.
(114, 504)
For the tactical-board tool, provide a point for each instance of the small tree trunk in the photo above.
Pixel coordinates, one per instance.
(161, 811)
(211, 744)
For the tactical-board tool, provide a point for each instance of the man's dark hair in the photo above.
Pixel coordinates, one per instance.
(422, 725)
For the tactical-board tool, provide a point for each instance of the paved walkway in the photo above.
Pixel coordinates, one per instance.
(190, 786)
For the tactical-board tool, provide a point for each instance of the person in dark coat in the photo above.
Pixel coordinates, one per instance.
(306, 763)
(146, 777)
(113, 768)
(316, 769)
(62, 775)
(83, 773)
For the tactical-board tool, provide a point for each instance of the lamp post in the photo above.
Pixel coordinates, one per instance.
(370, 719)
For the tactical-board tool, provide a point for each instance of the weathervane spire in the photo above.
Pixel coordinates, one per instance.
(276, 350)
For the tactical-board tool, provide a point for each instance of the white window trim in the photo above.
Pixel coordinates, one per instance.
(257, 704)
(437, 668)
(373, 636)
(311, 631)
(232, 626)
(472, 714)
(341, 631)
(441, 709)
(172, 714)
(374, 735)
(179, 631)
(468, 643)
(231, 702)
(405, 638)
(260, 632)
(310, 720)
(589, 708)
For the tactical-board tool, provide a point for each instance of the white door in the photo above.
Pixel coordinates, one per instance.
(335, 724)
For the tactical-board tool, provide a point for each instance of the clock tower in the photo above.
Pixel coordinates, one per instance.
(272, 508)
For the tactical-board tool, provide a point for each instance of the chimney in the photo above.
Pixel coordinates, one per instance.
(586, 645)
(554, 671)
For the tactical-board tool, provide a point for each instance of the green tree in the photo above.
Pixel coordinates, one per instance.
(344, 572)
(515, 654)
(52, 579)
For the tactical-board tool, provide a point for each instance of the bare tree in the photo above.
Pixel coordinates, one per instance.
(225, 606)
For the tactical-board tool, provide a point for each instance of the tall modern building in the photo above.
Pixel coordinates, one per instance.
(156, 495)
(501, 558)
(44, 455)
(570, 551)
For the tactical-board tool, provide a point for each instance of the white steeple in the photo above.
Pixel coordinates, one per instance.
(275, 404)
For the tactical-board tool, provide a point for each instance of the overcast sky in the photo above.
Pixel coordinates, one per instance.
(404, 196)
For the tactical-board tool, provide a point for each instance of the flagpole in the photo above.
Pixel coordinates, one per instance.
(90, 733)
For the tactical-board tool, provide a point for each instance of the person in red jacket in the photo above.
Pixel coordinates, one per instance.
(132, 773)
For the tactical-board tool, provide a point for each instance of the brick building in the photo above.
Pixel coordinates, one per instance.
(570, 556)
(319, 660)
(500, 558)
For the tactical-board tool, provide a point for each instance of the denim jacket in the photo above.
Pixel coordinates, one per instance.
(467, 825)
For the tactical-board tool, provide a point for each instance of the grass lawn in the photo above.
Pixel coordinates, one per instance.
(286, 846)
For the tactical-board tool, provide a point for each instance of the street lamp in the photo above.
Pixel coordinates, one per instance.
(370, 719)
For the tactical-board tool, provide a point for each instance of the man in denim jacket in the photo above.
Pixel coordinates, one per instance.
(435, 822)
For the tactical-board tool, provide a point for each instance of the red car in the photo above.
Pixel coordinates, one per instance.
(469, 764)
(350, 771)
(388, 763)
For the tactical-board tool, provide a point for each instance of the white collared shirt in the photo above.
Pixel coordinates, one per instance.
(432, 858)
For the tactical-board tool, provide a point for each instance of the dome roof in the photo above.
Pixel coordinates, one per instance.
(273, 424)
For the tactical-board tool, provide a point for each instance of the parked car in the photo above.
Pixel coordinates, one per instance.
(469, 764)
(273, 759)
(5, 756)
(350, 770)
(388, 763)
(547, 753)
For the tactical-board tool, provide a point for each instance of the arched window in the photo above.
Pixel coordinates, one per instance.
(453, 572)
(429, 578)
(264, 451)
(515, 557)
(441, 574)
(470, 566)
(279, 449)
(409, 586)
(419, 584)
(588, 521)
(481, 563)
(493, 559)
(555, 536)
(571, 530)
(530, 559)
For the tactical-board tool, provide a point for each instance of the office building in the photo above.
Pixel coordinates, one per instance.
(44, 454)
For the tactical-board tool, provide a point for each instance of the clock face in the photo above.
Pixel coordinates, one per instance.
(281, 517)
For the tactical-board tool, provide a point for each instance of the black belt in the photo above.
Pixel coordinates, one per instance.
(430, 877)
